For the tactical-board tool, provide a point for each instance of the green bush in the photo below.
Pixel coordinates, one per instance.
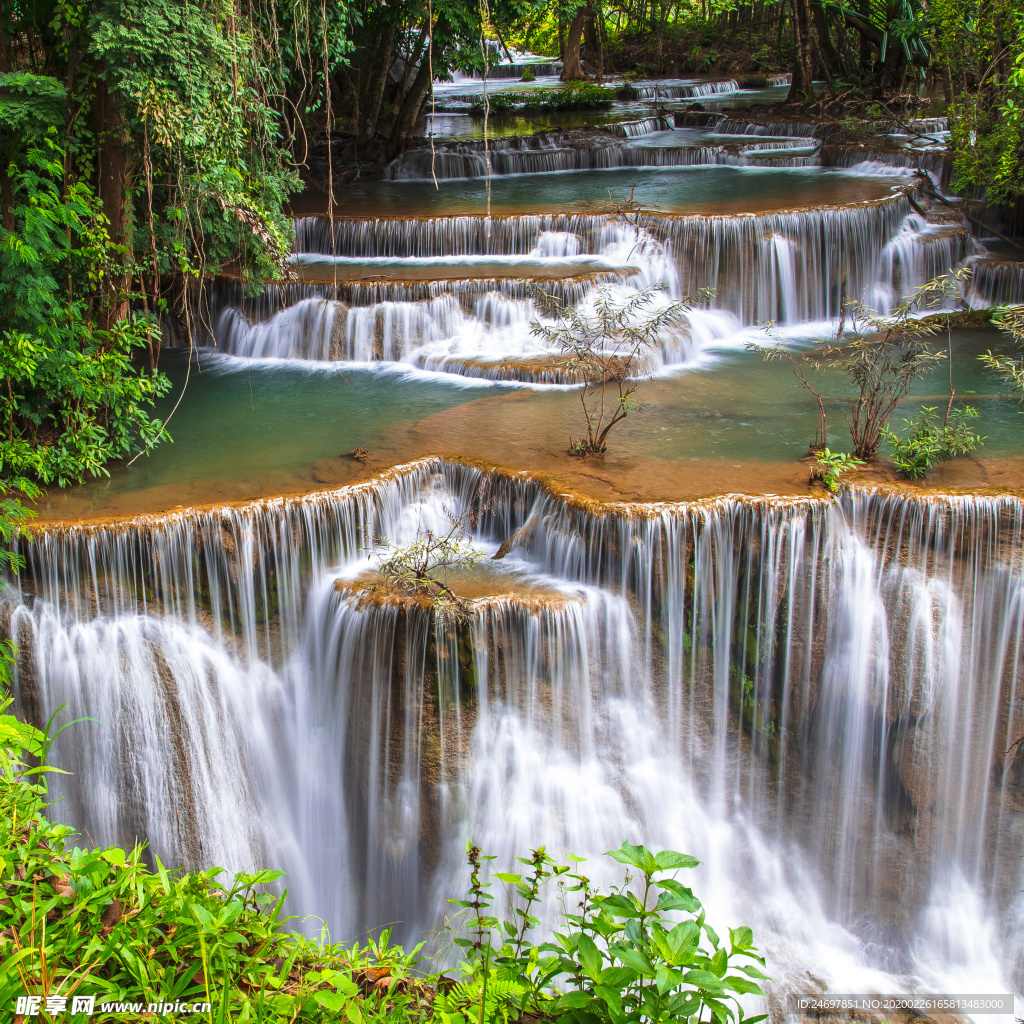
(641, 954)
(929, 442)
(575, 96)
(99, 923)
(830, 466)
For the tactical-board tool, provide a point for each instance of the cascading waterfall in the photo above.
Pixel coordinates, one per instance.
(486, 332)
(787, 267)
(812, 696)
(549, 154)
(996, 283)
(686, 91)
(645, 126)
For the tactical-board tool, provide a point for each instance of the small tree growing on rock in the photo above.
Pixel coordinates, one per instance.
(421, 567)
(609, 348)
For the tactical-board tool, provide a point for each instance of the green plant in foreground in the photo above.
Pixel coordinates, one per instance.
(99, 922)
(928, 441)
(641, 954)
(829, 466)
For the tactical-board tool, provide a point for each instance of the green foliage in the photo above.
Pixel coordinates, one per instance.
(830, 466)
(71, 398)
(14, 525)
(99, 922)
(1011, 320)
(928, 441)
(640, 954)
(980, 49)
(143, 144)
(883, 355)
(574, 96)
(422, 566)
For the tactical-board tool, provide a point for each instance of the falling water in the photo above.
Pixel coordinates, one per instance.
(812, 696)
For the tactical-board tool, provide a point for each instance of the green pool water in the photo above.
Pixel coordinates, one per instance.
(679, 190)
(243, 430)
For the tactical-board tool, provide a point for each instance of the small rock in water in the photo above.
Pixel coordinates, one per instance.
(359, 454)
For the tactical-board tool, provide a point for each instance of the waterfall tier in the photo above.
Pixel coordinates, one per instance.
(541, 154)
(812, 696)
(393, 302)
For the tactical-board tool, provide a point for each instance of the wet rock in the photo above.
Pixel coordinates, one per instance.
(917, 768)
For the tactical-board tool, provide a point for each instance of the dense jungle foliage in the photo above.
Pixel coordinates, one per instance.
(148, 144)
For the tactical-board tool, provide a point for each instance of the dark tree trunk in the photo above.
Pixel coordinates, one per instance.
(410, 110)
(113, 175)
(802, 88)
(411, 62)
(572, 70)
(378, 79)
(831, 60)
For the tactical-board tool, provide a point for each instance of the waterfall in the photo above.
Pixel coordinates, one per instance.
(690, 90)
(720, 124)
(548, 154)
(996, 283)
(812, 696)
(646, 126)
(788, 267)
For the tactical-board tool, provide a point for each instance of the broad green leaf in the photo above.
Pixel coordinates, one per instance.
(619, 906)
(612, 996)
(743, 985)
(704, 980)
(633, 959)
(114, 856)
(670, 860)
(333, 1001)
(590, 957)
(754, 972)
(575, 1000)
(507, 876)
(720, 963)
(638, 857)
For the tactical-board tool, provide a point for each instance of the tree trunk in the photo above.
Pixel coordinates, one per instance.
(592, 39)
(410, 110)
(378, 79)
(113, 179)
(802, 89)
(412, 61)
(572, 70)
(832, 62)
